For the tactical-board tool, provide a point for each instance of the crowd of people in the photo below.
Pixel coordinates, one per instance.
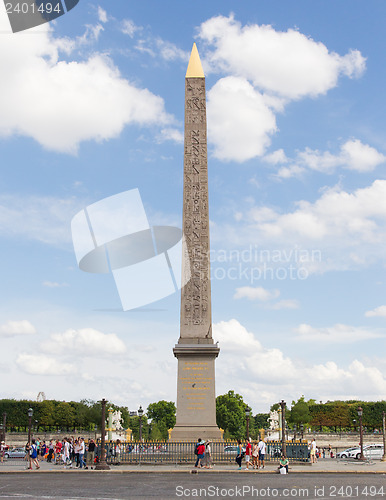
(69, 452)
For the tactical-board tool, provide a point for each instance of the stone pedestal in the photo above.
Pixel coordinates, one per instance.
(196, 398)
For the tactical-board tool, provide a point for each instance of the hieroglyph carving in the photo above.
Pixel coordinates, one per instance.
(195, 296)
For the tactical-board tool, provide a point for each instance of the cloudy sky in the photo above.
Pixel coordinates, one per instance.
(92, 105)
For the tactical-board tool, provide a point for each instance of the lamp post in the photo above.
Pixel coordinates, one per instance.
(30, 413)
(4, 426)
(140, 413)
(282, 406)
(302, 430)
(360, 413)
(384, 437)
(247, 414)
(102, 465)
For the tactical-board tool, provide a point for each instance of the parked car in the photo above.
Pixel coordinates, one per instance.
(370, 451)
(15, 453)
(345, 453)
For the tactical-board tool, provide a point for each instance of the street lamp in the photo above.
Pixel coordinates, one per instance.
(30, 413)
(247, 414)
(102, 465)
(282, 406)
(360, 413)
(140, 413)
(4, 426)
(384, 438)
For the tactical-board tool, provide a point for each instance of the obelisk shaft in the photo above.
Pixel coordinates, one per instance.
(195, 351)
(196, 312)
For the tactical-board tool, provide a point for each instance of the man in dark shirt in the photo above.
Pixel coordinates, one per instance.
(90, 453)
(200, 448)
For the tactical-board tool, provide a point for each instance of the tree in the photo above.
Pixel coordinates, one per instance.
(261, 421)
(64, 415)
(46, 413)
(299, 413)
(163, 412)
(230, 414)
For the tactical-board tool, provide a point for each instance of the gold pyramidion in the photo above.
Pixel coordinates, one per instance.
(194, 67)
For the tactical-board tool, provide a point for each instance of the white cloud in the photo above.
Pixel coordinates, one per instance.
(289, 64)
(80, 101)
(292, 171)
(258, 293)
(265, 70)
(170, 52)
(14, 328)
(170, 134)
(241, 129)
(378, 311)
(354, 155)
(39, 364)
(102, 15)
(129, 27)
(44, 219)
(339, 230)
(256, 369)
(54, 284)
(86, 342)
(276, 157)
(335, 334)
(285, 304)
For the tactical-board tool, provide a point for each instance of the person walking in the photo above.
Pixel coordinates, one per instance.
(33, 455)
(82, 450)
(248, 454)
(67, 452)
(2, 451)
(255, 454)
(208, 455)
(90, 453)
(262, 449)
(118, 450)
(50, 451)
(239, 456)
(313, 451)
(200, 449)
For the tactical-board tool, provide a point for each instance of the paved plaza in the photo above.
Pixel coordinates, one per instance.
(222, 484)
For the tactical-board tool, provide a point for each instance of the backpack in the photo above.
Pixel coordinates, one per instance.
(196, 448)
(34, 451)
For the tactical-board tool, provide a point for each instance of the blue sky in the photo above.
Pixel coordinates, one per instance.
(93, 105)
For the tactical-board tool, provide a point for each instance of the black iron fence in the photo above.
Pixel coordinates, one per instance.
(158, 452)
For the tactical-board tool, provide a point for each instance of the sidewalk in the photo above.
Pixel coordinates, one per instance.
(323, 466)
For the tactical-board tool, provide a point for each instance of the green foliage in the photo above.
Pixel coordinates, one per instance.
(230, 414)
(134, 426)
(299, 413)
(261, 421)
(163, 412)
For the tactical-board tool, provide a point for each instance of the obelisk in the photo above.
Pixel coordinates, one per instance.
(196, 351)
